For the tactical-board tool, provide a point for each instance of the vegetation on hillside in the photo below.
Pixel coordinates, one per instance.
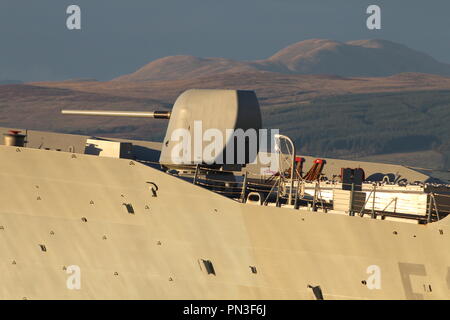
(357, 125)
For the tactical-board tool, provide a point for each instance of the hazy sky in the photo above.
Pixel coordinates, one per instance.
(119, 36)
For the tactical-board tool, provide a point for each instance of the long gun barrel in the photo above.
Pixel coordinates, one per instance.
(138, 114)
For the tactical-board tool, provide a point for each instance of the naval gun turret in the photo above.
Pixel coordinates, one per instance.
(216, 128)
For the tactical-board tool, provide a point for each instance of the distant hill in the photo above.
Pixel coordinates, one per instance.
(325, 115)
(184, 67)
(363, 58)
(81, 80)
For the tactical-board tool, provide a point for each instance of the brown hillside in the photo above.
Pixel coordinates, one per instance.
(312, 109)
(363, 58)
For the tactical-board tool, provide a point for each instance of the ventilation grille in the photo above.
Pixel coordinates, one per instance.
(208, 266)
(129, 207)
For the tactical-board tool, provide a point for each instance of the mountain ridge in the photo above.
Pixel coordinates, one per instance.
(357, 58)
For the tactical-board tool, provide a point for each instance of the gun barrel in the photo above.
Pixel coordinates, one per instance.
(138, 114)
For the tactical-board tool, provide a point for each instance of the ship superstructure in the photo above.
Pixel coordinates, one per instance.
(140, 224)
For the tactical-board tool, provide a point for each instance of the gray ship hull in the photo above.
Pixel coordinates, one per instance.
(60, 209)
